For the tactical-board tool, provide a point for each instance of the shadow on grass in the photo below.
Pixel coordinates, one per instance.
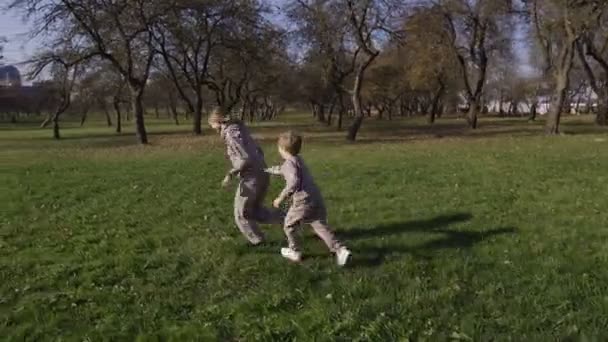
(372, 256)
(401, 228)
(367, 255)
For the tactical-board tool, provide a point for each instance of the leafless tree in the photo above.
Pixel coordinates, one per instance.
(65, 69)
(558, 26)
(116, 31)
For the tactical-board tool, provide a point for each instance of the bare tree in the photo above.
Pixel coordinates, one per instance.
(558, 25)
(431, 63)
(592, 50)
(477, 35)
(186, 39)
(367, 19)
(244, 51)
(323, 26)
(343, 37)
(65, 69)
(116, 31)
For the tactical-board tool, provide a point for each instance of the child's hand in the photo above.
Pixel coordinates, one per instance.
(275, 170)
(226, 181)
(277, 202)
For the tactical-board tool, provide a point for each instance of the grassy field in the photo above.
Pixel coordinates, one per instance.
(499, 234)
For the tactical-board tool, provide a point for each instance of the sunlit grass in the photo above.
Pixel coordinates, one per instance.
(471, 237)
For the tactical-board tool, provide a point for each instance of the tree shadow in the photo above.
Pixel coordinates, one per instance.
(405, 227)
(373, 256)
(462, 239)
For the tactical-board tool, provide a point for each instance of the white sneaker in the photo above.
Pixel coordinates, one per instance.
(342, 256)
(290, 254)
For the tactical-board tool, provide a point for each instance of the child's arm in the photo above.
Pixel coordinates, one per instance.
(274, 170)
(292, 180)
(238, 154)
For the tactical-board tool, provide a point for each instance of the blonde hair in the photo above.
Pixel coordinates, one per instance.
(218, 115)
(291, 142)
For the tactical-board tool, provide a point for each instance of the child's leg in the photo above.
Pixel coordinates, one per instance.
(262, 214)
(293, 221)
(244, 202)
(291, 233)
(324, 232)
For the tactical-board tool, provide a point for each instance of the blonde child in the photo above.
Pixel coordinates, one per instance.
(248, 165)
(307, 206)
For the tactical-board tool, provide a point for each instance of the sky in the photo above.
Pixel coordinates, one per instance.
(19, 47)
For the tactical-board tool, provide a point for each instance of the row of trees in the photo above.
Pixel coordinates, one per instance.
(440, 53)
(344, 58)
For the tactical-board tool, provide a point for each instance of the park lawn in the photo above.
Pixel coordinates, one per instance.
(479, 238)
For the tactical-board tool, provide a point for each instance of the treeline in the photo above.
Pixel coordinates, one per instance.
(345, 60)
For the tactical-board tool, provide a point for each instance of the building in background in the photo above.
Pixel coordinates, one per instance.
(17, 100)
(10, 76)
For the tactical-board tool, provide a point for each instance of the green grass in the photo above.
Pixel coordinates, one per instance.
(473, 237)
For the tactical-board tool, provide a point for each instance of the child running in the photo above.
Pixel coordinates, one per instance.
(307, 205)
(248, 165)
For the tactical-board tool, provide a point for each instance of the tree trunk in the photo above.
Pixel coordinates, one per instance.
(432, 116)
(332, 107)
(321, 113)
(176, 119)
(577, 106)
(473, 112)
(533, 112)
(600, 91)
(198, 116)
(56, 134)
(156, 111)
(174, 114)
(357, 110)
(137, 94)
(254, 108)
(60, 110)
(601, 118)
(341, 111)
(402, 108)
(553, 119)
(562, 80)
(353, 130)
(514, 108)
(244, 109)
(501, 111)
(116, 103)
(108, 117)
(83, 118)
(44, 123)
(380, 109)
(435, 105)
